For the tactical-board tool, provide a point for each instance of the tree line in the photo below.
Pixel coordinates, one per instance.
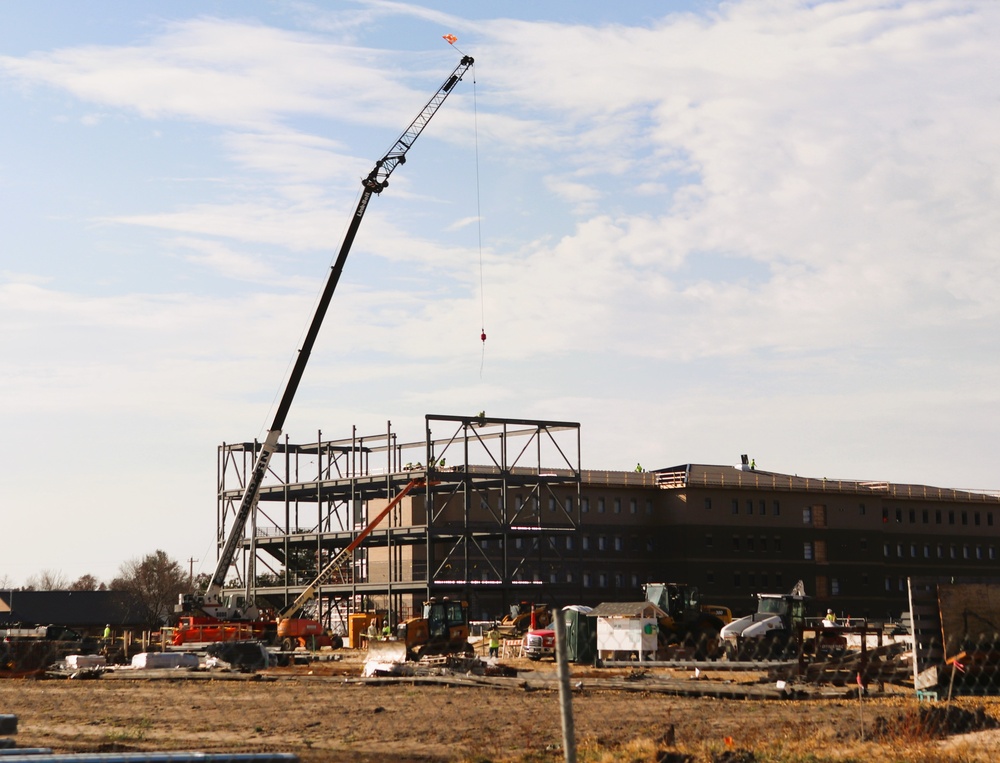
(154, 582)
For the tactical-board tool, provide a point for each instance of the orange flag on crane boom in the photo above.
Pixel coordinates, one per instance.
(452, 39)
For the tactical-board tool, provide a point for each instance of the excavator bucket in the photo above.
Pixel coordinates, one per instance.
(389, 652)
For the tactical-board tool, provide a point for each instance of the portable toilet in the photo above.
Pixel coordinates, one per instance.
(581, 634)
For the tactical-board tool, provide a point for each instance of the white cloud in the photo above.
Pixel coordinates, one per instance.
(771, 227)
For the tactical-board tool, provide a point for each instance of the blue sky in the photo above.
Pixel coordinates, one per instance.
(707, 229)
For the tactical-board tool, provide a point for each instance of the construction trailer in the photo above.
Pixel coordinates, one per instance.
(496, 493)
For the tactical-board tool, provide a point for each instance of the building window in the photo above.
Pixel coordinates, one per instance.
(899, 550)
(649, 544)
(965, 517)
(569, 576)
(763, 507)
(736, 579)
(736, 506)
(807, 515)
(600, 505)
(885, 550)
(861, 509)
(976, 519)
(952, 551)
(965, 551)
(776, 508)
(708, 503)
(901, 584)
(864, 579)
(619, 580)
(979, 552)
(602, 580)
(751, 580)
(635, 580)
(569, 542)
(602, 543)
(710, 576)
(835, 586)
(518, 543)
(568, 505)
(763, 544)
(552, 577)
(708, 540)
(993, 552)
(807, 550)
(951, 517)
(749, 505)
(927, 551)
(585, 543)
(937, 517)
(586, 580)
(749, 543)
(618, 543)
(924, 516)
(736, 543)
(777, 543)
(888, 584)
(899, 516)
(940, 551)
(633, 506)
(649, 506)
(864, 544)
(584, 505)
(618, 505)
(885, 516)
(552, 503)
(913, 550)
(989, 519)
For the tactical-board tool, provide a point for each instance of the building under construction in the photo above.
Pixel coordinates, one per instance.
(505, 514)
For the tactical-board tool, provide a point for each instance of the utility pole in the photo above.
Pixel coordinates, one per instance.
(191, 574)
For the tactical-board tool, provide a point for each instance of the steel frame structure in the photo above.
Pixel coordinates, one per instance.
(498, 490)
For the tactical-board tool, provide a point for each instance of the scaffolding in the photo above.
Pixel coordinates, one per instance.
(500, 495)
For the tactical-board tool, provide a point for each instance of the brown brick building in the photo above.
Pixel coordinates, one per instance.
(507, 514)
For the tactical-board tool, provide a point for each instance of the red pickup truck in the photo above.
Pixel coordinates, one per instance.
(539, 643)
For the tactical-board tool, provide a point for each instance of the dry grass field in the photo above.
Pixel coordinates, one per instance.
(313, 712)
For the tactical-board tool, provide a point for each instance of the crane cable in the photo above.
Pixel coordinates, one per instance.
(479, 222)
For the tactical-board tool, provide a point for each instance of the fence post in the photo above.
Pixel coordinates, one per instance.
(565, 694)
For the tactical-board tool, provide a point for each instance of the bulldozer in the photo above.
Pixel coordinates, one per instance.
(443, 628)
(688, 623)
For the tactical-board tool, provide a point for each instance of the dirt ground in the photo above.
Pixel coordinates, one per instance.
(311, 711)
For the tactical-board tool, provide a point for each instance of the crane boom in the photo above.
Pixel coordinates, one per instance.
(376, 182)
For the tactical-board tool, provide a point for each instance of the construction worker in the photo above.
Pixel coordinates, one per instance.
(494, 637)
(386, 630)
(372, 631)
(638, 468)
(107, 633)
(830, 620)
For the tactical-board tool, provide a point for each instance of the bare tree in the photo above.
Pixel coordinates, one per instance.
(86, 583)
(155, 581)
(47, 580)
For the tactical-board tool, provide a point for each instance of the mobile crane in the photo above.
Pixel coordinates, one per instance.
(212, 605)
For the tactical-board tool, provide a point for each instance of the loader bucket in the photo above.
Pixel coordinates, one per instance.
(386, 651)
